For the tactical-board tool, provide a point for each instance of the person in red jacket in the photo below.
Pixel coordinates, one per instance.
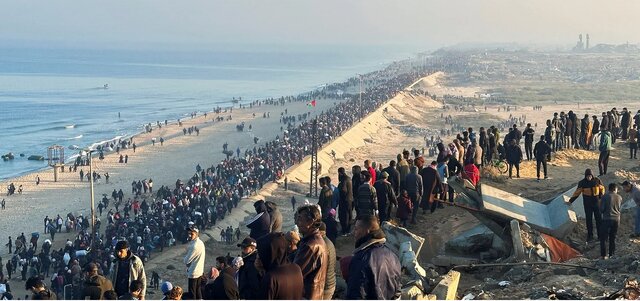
(372, 171)
(471, 173)
(405, 208)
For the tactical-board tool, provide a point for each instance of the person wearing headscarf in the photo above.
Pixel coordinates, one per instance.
(261, 225)
(282, 279)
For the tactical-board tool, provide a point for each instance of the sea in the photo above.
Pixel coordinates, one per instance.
(72, 97)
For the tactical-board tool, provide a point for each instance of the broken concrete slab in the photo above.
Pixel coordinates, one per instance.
(447, 288)
(518, 246)
(467, 196)
(555, 218)
(477, 239)
(397, 235)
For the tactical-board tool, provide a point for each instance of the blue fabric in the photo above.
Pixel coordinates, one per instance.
(374, 273)
(336, 197)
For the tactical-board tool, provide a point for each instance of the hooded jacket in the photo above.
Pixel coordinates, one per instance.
(275, 216)
(282, 279)
(590, 190)
(223, 288)
(136, 271)
(605, 141)
(394, 178)
(413, 183)
(95, 286)
(262, 225)
(312, 258)
(374, 272)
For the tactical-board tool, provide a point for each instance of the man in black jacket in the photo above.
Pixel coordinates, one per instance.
(413, 185)
(514, 157)
(528, 141)
(248, 276)
(394, 176)
(345, 202)
(224, 287)
(367, 199)
(541, 152)
(386, 196)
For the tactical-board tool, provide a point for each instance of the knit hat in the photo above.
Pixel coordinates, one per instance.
(166, 287)
(588, 172)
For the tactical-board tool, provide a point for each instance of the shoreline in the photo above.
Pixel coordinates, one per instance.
(51, 198)
(138, 131)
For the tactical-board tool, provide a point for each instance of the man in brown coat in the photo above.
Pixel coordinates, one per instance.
(312, 254)
(95, 284)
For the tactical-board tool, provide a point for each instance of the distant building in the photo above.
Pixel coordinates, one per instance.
(579, 45)
(587, 42)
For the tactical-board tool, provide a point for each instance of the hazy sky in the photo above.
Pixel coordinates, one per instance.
(211, 23)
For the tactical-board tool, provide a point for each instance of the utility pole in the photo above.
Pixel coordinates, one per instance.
(313, 179)
(360, 102)
(93, 212)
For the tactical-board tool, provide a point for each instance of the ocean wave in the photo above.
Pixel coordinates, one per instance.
(74, 138)
(114, 139)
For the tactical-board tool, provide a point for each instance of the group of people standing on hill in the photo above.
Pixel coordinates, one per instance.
(568, 131)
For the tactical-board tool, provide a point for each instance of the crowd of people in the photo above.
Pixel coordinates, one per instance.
(152, 219)
(300, 264)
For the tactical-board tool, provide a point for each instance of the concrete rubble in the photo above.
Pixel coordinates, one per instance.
(500, 207)
(403, 243)
(512, 229)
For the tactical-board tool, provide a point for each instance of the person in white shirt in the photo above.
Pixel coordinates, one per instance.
(194, 260)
